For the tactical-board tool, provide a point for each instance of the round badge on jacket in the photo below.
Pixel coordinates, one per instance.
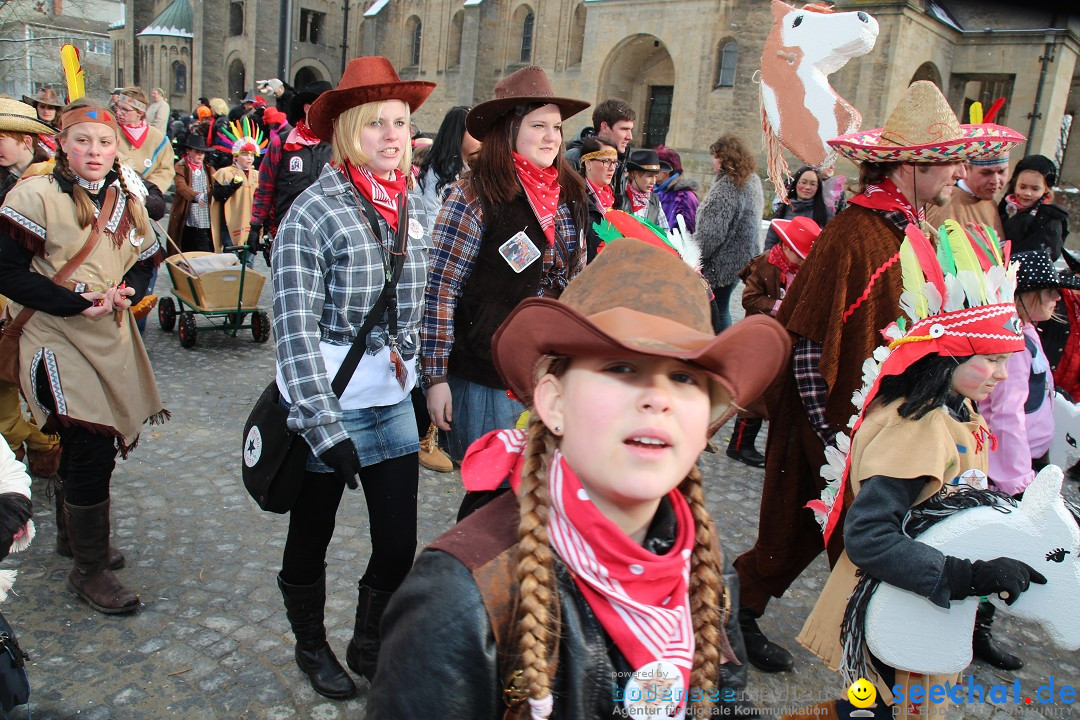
(416, 230)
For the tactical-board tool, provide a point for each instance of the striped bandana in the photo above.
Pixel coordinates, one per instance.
(641, 599)
(380, 192)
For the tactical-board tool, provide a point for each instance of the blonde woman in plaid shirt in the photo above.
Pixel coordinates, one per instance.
(329, 270)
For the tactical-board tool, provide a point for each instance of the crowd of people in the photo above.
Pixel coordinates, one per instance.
(574, 379)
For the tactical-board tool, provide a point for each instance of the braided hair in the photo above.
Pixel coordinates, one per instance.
(84, 207)
(535, 632)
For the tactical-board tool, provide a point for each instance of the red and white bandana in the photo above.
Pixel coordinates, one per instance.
(136, 134)
(604, 195)
(542, 189)
(638, 199)
(885, 196)
(300, 136)
(641, 599)
(380, 192)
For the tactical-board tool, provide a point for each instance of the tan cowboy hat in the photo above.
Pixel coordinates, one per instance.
(20, 117)
(45, 96)
(527, 85)
(366, 79)
(922, 128)
(638, 299)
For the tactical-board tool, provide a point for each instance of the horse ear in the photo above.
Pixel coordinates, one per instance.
(780, 9)
(1044, 492)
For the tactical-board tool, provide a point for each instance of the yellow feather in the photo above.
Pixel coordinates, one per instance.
(73, 71)
(976, 113)
(911, 275)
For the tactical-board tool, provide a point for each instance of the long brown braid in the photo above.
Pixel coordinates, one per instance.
(707, 595)
(538, 591)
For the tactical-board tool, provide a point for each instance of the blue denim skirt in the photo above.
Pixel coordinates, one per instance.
(478, 409)
(379, 433)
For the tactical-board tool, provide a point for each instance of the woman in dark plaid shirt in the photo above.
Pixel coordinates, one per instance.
(512, 229)
(330, 266)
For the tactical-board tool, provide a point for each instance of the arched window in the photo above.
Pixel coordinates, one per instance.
(577, 36)
(527, 37)
(928, 71)
(237, 80)
(453, 51)
(725, 68)
(236, 19)
(414, 31)
(179, 78)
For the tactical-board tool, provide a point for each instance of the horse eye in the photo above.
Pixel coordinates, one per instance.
(1057, 555)
(797, 21)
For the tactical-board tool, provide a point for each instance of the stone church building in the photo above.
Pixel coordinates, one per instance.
(688, 67)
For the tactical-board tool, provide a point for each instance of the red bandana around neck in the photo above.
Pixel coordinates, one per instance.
(300, 136)
(48, 141)
(193, 163)
(542, 190)
(380, 192)
(641, 599)
(605, 196)
(885, 196)
(638, 199)
(779, 258)
(136, 134)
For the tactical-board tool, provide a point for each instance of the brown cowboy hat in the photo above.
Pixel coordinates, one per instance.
(638, 299)
(527, 85)
(45, 96)
(366, 79)
(20, 117)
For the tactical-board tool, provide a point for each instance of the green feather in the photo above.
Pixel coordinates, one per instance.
(944, 252)
(606, 231)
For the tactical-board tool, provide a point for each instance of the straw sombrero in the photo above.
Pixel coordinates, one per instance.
(16, 116)
(922, 128)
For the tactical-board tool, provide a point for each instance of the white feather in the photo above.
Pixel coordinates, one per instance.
(7, 579)
(972, 283)
(21, 542)
(683, 241)
(954, 294)
(933, 298)
(907, 304)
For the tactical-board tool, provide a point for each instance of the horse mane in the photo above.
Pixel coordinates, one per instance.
(823, 8)
(855, 659)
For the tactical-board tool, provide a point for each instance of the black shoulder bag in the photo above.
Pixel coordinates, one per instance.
(275, 457)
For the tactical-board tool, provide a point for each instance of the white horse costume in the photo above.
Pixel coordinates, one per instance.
(1040, 531)
(800, 110)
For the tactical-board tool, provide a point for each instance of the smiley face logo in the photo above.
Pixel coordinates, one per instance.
(862, 693)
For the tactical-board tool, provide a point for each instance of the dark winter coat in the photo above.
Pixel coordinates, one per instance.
(1044, 227)
(728, 228)
(798, 208)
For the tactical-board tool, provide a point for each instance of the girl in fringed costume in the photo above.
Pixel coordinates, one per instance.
(594, 587)
(81, 362)
(234, 186)
(917, 441)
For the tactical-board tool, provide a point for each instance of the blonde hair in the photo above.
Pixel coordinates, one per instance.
(219, 106)
(346, 141)
(84, 207)
(536, 632)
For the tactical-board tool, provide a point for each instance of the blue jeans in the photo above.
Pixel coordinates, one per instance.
(721, 307)
(478, 409)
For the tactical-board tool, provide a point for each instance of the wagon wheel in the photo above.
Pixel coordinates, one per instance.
(166, 313)
(187, 330)
(260, 326)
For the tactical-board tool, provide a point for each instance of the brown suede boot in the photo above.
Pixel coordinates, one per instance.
(63, 547)
(91, 579)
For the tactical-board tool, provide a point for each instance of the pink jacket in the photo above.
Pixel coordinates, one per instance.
(1020, 436)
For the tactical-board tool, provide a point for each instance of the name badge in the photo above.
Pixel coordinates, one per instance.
(416, 230)
(519, 252)
(296, 164)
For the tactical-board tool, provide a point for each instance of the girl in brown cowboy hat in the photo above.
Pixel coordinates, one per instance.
(47, 104)
(76, 250)
(346, 240)
(597, 580)
(510, 230)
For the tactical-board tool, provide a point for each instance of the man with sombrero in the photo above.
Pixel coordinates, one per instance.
(290, 165)
(847, 290)
(18, 130)
(48, 104)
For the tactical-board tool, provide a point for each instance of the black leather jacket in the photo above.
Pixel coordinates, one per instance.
(439, 655)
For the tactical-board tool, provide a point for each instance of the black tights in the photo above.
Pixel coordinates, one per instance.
(390, 492)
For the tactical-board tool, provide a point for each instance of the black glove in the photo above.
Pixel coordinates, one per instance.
(253, 238)
(1002, 575)
(346, 463)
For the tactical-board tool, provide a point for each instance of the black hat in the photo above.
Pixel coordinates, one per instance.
(305, 96)
(1040, 164)
(195, 141)
(646, 159)
(1037, 272)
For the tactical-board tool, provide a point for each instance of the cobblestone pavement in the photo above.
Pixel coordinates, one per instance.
(211, 640)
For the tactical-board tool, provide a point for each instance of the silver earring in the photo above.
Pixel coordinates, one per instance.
(558, 428)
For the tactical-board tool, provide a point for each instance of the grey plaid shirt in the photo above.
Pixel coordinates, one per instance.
(328, 272)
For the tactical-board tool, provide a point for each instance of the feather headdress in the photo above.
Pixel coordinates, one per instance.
(73, 72)
(618, 224)
(957, 301)
(241, 135)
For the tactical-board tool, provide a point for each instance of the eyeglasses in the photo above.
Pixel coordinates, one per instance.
(606, 162)
(117, 109)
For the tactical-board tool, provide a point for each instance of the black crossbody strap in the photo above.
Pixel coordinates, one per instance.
(352, 359)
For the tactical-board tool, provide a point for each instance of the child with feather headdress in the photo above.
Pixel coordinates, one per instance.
(235, 185)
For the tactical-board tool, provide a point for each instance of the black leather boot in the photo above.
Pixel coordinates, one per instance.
(304, 607)
(363, 654)
(741, 447)
(762, 653)
(734, 700)
(983, 645)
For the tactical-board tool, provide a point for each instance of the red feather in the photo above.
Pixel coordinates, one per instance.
(630, 227)
(927, 257)
(989, 115)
